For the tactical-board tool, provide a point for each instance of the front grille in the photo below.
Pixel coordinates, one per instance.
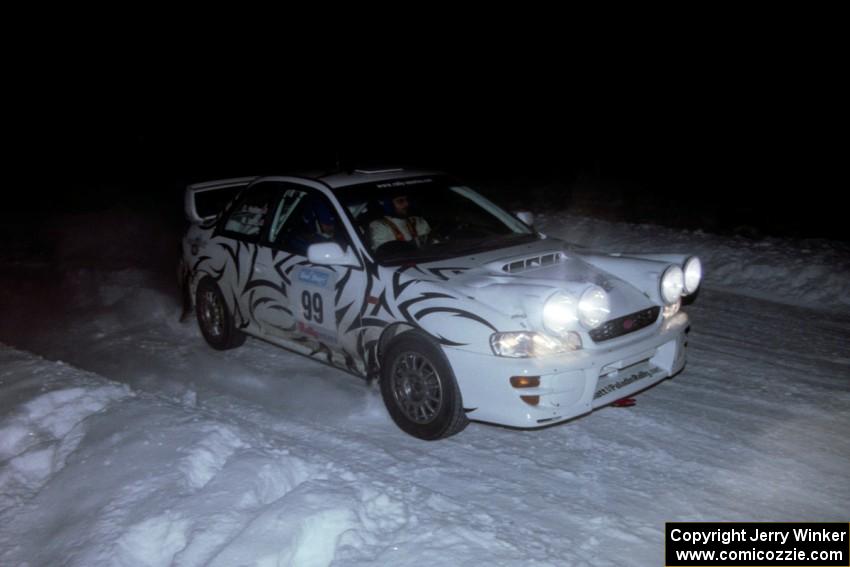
(625, 325)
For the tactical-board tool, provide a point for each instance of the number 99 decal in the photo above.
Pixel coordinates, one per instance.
(312, 305)
(313, 287)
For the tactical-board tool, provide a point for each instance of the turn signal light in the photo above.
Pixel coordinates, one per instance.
(530, 400)
(525, 381)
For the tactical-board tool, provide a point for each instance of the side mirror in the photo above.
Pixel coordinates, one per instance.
(525, 216)
(331, 254)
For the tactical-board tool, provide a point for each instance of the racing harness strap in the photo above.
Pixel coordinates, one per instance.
(399, 235)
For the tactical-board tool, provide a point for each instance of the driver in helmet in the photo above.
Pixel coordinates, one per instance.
(398, 224)
(319, 225)
(325, 222)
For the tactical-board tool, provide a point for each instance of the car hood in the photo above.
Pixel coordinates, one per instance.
(517, 280)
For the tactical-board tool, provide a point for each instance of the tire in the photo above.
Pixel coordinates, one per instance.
(214, 318)
(413, 367)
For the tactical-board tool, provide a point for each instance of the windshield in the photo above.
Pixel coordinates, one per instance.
(428, 219)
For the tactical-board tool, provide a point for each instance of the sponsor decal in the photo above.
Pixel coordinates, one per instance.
(318, 334)
(403, 183)
(630, 379)
(317, 278)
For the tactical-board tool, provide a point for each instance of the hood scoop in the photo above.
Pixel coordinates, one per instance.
(529, 263)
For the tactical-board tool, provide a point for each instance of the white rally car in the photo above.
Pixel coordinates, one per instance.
(460, 309)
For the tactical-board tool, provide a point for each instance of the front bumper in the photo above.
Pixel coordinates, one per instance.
(571, 384)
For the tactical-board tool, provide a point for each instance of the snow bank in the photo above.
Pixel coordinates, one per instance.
(41, 421)
(93, 473)
(814, 273)
(172, 485)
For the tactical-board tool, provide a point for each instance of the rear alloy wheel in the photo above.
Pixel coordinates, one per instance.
(419, 388)
(214, 318)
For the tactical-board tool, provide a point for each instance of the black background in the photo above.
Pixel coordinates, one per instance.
(734, 127)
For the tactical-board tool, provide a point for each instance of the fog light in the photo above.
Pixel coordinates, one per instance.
(530, 400)
(693, 274)
(525, 381)
(672, 284)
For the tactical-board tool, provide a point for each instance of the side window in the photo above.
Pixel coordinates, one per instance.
(305, 217)
(249, 214)
(210, 203)
(285, 207)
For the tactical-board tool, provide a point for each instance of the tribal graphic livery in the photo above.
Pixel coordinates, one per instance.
(290, 258)
(336, 314)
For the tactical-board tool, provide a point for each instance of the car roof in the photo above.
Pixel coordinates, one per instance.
(334, 179)
(358, 176)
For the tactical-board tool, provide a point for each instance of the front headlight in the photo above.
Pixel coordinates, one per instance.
(672, 284)
(560, 313)
(693, 274)
(525, 344)
(594, 307)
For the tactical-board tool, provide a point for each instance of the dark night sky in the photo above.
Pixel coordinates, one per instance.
(761, 167)
(747, 137)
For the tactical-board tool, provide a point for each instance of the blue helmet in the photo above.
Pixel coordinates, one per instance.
(323, 213)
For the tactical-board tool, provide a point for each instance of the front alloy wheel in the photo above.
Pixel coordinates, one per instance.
(419, 388)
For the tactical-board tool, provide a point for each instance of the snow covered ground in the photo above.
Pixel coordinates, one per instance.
(145, 447)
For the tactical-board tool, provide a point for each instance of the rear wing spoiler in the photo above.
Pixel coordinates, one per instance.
(204, 201)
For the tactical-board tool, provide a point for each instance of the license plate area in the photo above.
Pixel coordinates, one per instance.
(626, 380)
